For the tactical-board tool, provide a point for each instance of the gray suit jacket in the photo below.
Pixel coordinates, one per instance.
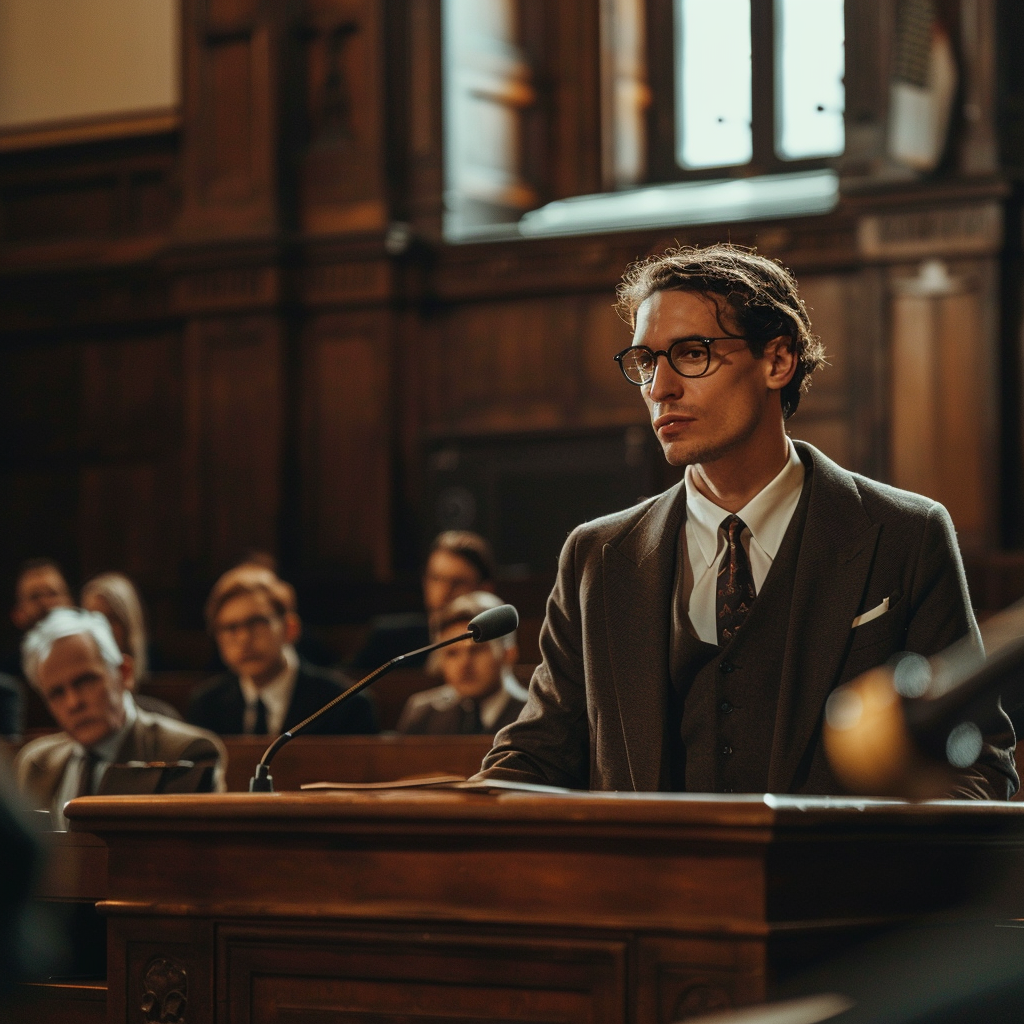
(595, 717)
(39, 766)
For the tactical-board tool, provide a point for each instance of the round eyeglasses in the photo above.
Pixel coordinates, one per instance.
(689, 357)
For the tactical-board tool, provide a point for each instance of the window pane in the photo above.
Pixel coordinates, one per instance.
(713, 100)
(810, 62)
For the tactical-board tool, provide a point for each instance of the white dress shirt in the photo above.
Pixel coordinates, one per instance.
(767, 516)
(105, 752)
(276, 695)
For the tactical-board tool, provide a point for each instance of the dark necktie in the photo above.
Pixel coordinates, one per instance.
(89, 763)
(471, 723)
(260, 728)
(735, 592)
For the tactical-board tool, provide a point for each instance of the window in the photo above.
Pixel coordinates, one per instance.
(756, 86)
(687, 91)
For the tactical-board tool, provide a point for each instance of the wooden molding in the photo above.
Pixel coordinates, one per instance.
(93, 129)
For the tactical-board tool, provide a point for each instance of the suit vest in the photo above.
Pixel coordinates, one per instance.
(723, 701)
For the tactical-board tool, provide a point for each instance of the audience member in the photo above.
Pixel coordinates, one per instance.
(480, 693)
(72, 659)
(267, 690)
(39, 588)
(459, 563)
(115, 597)
(263, 565)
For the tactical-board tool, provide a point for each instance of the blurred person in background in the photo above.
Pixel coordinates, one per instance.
(114, 596)
(459, 562)
(72, 659)
(267, 689)
(40, 587)
(480, 693)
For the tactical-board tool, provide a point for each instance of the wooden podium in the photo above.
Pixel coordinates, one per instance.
(398, 906)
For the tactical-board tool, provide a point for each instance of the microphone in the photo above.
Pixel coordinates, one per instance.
(488, 625)
(903, 728)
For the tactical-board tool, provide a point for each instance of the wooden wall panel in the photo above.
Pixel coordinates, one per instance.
(228, 122)
(131, 433)
(348, 426)
(343, 184)
(234, 423)
(532, 364)
(944, 440)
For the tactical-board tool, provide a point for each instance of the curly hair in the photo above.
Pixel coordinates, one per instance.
(761, 294)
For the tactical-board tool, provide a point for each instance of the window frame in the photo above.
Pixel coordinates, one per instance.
(661, 114)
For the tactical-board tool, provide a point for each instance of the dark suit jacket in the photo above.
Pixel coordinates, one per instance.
(39, 766)
(596, 711)
(439, 712)
(220, 707)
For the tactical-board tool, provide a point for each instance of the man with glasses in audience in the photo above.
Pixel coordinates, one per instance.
(251, 615)
(691, 642)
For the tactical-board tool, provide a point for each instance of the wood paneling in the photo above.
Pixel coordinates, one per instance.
(343, 185)
(943, 428)
(348, 427)
(234, 433)
(272, 976)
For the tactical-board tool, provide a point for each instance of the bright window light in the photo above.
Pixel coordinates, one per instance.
(809, 92)
(713, 88)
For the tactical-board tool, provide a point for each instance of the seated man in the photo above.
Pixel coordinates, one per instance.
(72, 659)
(480, 693)
(267, 690)
(459, 563)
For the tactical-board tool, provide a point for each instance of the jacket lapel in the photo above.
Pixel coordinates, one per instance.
(836, 553)
(638, 576)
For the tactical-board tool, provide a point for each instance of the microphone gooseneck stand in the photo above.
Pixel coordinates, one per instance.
(488, 625)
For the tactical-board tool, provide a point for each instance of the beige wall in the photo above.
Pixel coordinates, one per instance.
(75, 59)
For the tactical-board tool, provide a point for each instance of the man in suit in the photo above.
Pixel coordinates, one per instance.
(459, 562)
(480, 693)
(74, 662)
(268, 689)
(691, 641)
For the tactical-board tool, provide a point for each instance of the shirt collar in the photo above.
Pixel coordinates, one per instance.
(766, 515)
(279, 688)
(107, 750)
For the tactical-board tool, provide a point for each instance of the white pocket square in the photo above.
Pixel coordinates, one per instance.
(876, 612)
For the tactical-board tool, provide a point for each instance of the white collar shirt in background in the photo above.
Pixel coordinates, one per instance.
(767, 516)
(276, 695)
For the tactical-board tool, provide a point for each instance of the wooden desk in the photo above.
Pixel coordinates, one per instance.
(354, 758)
(408, 906)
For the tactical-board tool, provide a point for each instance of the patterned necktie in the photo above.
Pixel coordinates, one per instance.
(735, 591)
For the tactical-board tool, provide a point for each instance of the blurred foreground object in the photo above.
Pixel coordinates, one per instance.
(907, 729)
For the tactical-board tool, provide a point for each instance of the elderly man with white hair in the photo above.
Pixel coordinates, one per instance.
(72, 659)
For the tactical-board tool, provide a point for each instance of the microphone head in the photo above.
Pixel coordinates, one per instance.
(493, 623)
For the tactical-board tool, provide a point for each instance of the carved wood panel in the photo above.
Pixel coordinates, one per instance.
(683, 978)
(160, 971)
(273, 975)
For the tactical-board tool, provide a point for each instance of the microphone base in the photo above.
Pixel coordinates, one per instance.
(262, 781)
